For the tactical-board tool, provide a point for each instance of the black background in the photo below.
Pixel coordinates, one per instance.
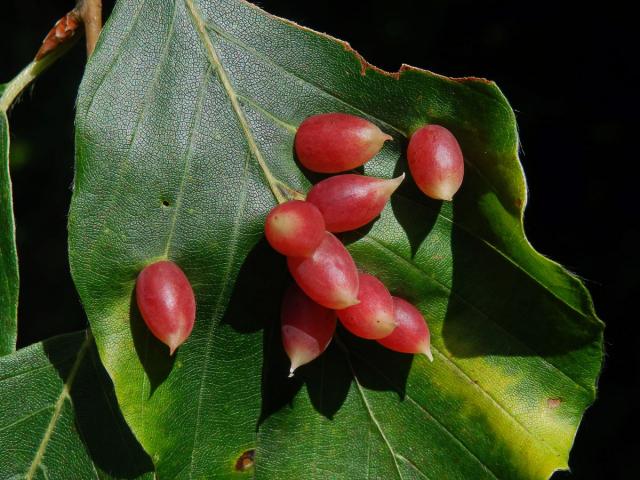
(568, 71)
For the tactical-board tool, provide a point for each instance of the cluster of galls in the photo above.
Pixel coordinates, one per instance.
(328, 285)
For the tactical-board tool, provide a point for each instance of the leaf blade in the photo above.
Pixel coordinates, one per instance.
(9, 277)
(436, 255)
(58, 415)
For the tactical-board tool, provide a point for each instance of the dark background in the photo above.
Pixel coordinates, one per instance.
(568, 71)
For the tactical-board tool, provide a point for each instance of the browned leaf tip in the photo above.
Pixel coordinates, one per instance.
(63, 31)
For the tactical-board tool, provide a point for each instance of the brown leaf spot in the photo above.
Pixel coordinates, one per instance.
(246, 461)
(554, 403)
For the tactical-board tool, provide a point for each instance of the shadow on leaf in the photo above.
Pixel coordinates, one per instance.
(153, 354)
(496, 307)
(255, 305)
(255, 301)
(376, 367)
(416, 222)
(108, 439)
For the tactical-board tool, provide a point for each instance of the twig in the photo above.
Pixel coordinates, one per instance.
(87, 13)
(57, 42)
(91, 13)
(31, 72)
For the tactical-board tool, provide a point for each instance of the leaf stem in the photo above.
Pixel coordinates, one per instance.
(31, 72)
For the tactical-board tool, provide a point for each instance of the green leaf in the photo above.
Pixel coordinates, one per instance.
(9, 274)
(9, 281)
(60, 418)
(184, 134)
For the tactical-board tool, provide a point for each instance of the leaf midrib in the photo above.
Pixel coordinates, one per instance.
(64, 396)
(216, 63)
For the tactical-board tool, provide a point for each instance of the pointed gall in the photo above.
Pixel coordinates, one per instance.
(307, 328)
(411, 334)
(329, 276)
(350, 201)
(166, 302)
(336, 142)
(436, 162)
(373, 317)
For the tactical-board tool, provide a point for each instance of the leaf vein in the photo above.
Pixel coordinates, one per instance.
(26, 417)
(37, 369)
(412, 465)
(235, 232)
(116, 57)
(187, 160)
(105, 213)
(438, 422)
(495, 402)
(371, 415)
(215, 61)
(239, 43)
(64, 395)
(254, 105)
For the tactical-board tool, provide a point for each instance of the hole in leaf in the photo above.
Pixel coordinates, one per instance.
(165, 203)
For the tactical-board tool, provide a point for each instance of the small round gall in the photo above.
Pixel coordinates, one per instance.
(295, 228)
